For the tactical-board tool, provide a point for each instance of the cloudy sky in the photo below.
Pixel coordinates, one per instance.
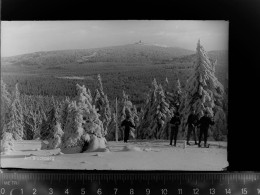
(19, 37)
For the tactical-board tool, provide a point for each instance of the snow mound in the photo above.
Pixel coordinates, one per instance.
(97, 144)
(131, 148)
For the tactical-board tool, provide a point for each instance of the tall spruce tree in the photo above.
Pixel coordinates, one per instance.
(64, 112)
(156, 114)
(173, 96)
(15, 122)
(48, 124)
(203, 91)
(5, 107)
(38, 117)
(102, 104)
(33, 116)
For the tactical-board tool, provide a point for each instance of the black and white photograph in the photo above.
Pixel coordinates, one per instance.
(115, 95)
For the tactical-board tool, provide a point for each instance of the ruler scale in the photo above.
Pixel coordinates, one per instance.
(130, 183)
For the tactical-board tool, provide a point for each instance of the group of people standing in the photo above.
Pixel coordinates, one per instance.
(203, 124)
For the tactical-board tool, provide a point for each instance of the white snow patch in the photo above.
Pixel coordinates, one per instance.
(167, 158)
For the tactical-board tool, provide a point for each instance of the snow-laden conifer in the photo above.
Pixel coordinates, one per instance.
(55, 138)
(38, 117)
(83, 130)
(15, 121)
(203, 91)
(48, 124)
(156, 114)
(64, 112)
(73, 129)
(102, 104)
(173, 94)
(5, 106)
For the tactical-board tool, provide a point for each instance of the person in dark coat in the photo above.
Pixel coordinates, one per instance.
(175, 122)
(204, 123)
(192, 121)
(127, 123)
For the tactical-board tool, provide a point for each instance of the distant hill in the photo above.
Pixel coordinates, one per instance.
(131, 53)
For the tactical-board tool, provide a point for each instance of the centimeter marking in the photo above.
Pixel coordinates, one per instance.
(39, 176)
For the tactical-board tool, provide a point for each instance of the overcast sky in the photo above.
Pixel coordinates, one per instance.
(19, 37)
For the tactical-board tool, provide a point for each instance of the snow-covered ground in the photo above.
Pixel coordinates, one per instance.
(135, 155)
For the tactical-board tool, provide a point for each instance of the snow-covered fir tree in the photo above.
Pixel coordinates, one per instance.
(112, 129)
(64, 112)
(92, 123)
(5, 95)
(38, 117)
(55, 138)
(173, 94)
(73, 129)
(32, 122)
(83, 130)
(203, 91)
(48, 124)
(5, 107)
(177, 87)
(15, 122)
(102, 104)
(156, 114)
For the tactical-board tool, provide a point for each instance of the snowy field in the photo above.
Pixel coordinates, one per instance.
(135, 155)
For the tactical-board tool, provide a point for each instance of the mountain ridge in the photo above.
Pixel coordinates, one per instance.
(128, 53)
(97, 48)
